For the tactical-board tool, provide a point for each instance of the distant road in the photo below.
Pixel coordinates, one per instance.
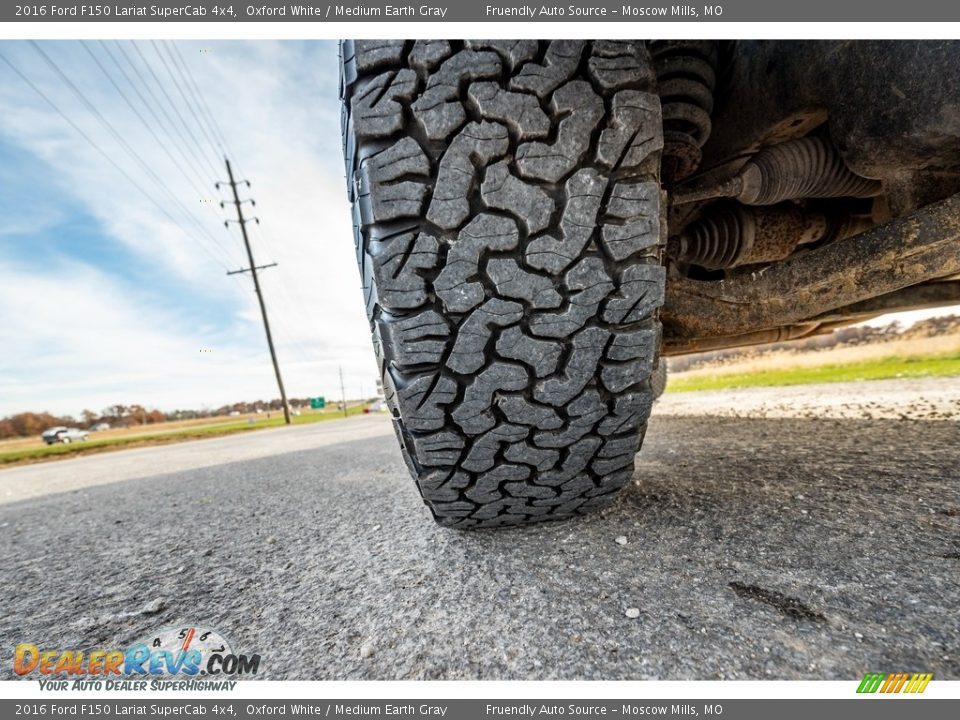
(26, 481)
(747, 548)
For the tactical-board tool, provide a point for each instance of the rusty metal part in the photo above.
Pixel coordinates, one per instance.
(915, 297)
(730, 234)
(686, 79)
(936, 293)
(907, 251)
(802, 168)
(672, 347)
(846, 226)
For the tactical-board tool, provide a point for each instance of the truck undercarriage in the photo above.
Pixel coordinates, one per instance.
(810, 185)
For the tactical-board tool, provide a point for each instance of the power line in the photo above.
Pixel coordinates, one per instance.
(215, 126)
(125, 145)
(106, 156)
(188, 160)
(218, 131)
(183, 145)
(186, 100)
(176, 110)
(155, 137)
(176, 59)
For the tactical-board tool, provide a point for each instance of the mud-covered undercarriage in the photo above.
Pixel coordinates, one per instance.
(809, 185)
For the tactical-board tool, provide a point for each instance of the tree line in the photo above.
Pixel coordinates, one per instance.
(28, 424)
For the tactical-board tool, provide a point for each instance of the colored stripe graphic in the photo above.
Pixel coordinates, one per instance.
(894, 682)
(870, 683)
(918, 683)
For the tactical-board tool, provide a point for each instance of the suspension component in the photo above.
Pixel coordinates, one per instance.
(731, 234)
(907, 251)
(686, 78)
(803, 168)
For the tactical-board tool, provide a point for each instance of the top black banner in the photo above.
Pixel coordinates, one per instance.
(615, 11)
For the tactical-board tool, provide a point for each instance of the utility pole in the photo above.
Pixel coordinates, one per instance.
(343, 393)
(256, 283)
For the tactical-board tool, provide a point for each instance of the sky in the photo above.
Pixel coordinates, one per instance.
(113, 285)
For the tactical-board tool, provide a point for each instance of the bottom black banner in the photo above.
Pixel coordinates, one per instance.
(874, 708)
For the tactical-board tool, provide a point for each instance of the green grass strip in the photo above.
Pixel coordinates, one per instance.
(53, 452)
(879, 369)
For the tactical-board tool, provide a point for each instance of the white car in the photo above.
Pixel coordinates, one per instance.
(65, 435)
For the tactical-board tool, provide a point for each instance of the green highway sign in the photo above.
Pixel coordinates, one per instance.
(318, 403)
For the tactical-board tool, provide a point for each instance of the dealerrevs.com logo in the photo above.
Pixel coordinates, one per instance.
(172, 658)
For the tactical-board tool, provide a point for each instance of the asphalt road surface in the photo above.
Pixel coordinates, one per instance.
(747, 548)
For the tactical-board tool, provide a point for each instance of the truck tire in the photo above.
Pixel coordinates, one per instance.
(508, 227)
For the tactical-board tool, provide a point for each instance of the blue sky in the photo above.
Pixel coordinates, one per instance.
(103, 297)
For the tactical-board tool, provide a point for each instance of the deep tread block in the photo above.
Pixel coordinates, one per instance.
(639, 291)
(520, 410)
(638, 206)
(615, 64)
(560, 64)
(584, 194)
(523, 452)
(483, 451)
(584, 412)
(439, 109)
(587, 285)
(396, 262)
(528, 203)
(542, 355)
(475, 332)
(477, 143)
(629, 141)
(441, 448)
(579, 455)
(474, 414)
(582, 109)
(513, 281)
(454, 285)
(515, 52)
(521, 112)
(383, 196)
(444, 485)
(417, 340)
(428, 54)
(376, 108)
(421, 401)
(581, 366)
(487, 486)
(631, 411)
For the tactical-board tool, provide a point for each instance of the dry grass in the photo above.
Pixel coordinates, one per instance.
(943, 345)
(163, 428)
(100, 442)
